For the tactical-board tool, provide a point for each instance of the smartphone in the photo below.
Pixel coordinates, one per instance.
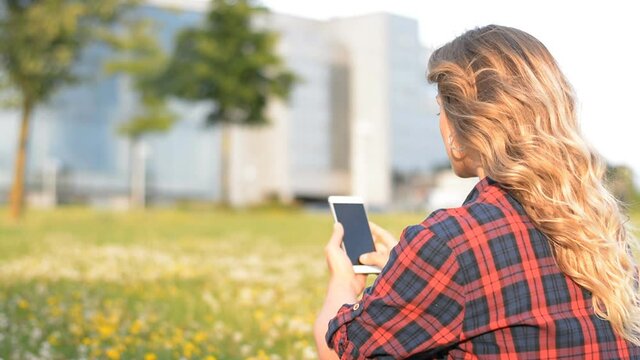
(349, 211)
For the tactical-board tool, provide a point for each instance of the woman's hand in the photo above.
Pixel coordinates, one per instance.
(384, 241)
(344, 288)
(340, 266)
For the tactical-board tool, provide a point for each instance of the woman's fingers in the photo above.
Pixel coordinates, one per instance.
(382, 236)
(336, 237)
(337, 259)
(377, 258)
(384, 242)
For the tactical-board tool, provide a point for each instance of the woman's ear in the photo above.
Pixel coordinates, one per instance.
(457, 151)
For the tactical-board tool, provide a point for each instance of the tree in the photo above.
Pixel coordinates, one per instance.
(231, 63)
(40, 42)
(619, 179)
(141, 58)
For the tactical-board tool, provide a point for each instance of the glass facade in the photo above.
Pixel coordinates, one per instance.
(77, 128)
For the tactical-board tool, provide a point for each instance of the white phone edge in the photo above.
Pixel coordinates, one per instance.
(346, 199)
(366, 269)
(358, 269)
(342, 200)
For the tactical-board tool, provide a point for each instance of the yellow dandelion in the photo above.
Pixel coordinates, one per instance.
(199, 337)
(55, 311)
(262, 355)
(150, 356)
(106, 330)
(135, 327)
(188, 349)
(52, 339)
(52, 300)
(113, 354)
(23, 304)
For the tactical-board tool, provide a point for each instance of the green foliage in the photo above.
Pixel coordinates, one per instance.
(153, 117)
(140, 56)
(41, 40)
(230, 62)
(619, 180)
(9, 97)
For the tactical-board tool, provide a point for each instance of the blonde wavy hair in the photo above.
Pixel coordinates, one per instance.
(507, 99)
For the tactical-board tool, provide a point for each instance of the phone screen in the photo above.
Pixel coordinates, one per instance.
(357, 235)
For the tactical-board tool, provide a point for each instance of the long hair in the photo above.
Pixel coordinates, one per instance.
(507, 99)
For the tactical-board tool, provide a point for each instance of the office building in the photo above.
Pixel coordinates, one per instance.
(361, 116)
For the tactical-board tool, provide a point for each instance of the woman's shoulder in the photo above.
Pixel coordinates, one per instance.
(487, 200)
(488, 211)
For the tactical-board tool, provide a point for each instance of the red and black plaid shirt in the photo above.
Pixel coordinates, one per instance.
(478, 281)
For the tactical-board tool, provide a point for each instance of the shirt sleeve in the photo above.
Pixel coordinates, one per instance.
(415, 306)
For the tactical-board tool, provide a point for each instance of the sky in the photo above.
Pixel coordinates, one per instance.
(596, 43)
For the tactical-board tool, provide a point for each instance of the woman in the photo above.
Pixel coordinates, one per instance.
(535, 264)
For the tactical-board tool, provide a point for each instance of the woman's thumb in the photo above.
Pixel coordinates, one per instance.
(372, 258)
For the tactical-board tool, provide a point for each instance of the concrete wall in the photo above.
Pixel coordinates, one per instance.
(366, 39)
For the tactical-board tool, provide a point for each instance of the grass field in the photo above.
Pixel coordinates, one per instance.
(164, 284)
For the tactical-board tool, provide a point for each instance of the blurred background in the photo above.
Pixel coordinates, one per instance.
(164, 165)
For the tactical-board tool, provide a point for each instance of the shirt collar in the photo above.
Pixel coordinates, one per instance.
(481, 186)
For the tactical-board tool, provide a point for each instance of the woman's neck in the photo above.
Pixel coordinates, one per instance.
(481, 173)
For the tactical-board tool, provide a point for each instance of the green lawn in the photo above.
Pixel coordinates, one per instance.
(165, 284)
(78, 283)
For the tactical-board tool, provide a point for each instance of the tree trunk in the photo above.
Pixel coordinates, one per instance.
(138, 172)
(17, 189)
(225, 165)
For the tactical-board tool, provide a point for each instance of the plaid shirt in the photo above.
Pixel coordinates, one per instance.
(478, 281)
